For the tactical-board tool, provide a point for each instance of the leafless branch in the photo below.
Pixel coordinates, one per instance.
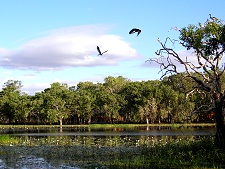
(203, 109)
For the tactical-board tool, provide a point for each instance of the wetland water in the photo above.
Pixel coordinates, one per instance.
(78, 146)
(135, 131)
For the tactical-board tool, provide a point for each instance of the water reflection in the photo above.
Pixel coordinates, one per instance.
(80, 145)
(86, 136)
(98, 141)
(136, 131)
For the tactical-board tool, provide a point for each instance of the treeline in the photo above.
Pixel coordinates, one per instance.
(116, 100)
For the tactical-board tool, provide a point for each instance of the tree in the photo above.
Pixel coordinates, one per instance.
(132, 96)
(86, 98)
(36, 107)
(108, 104)
(22, 108)
(9, 99)
(111, 97)
(55, 105)
(115, 84)
(203, 66)
(12, 86)
(149, 110)
(137, 99)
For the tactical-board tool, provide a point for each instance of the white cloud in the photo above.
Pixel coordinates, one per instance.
(185, 55)
(31, 89)
(69, 47)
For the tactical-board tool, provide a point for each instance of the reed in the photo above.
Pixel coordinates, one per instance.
(8, 140)
(107, 125)
(116, 152)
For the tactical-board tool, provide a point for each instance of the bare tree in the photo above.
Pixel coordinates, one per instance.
(207, 44)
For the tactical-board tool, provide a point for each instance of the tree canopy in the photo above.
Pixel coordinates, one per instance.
(116, 100)
(203, 66)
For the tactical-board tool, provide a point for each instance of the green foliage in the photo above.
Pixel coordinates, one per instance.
(117, 100)
(8, 140)
(207, 38)
(149, 110)
(10, 98)
(204, 67)
(85, 99)
(55, 105)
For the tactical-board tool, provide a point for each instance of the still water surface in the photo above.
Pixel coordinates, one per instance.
(85, 145)
(136, 131)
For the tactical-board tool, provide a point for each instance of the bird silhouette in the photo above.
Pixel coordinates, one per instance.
(99, 51)
(134, 30)
(212, 17)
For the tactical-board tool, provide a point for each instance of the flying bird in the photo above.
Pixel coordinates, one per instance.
(99, 51)
(134, 30)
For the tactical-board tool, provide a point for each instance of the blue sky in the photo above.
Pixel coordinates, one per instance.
(46, 41)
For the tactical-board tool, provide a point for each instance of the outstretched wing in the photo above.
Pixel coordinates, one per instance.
(99, 52)
(139, 31)
(105, 51)
(135, 30)
(132, 31)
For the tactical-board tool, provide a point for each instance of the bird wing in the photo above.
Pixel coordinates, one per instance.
(139, 31)
(100, 53)
(105, 51)
(132, 30)
(135, 30)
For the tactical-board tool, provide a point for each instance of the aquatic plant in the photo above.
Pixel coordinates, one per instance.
(177, 153)
(114, 151)
(8, 140)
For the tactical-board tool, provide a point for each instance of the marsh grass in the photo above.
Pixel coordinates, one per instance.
(175, 125)
(8, 140)
(96, 126)
(117, 152)
(182, 154)
(114, 151)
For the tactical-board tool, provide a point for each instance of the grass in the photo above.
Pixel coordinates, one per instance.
(114, 151)
(107, 125)
(182, 154)
(8, 140)
(2, 127)
(150, 125)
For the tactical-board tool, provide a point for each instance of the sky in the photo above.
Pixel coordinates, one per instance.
(47, 41)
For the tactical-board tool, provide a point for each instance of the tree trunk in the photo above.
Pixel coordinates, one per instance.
(111, 118)
(147, 120)
(89, 120)
(219, 119)
(60, 124)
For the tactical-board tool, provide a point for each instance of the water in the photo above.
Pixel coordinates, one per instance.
(82, 147)
(136, 131)
(85, 136)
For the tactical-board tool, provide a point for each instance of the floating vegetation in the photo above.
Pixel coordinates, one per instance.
(107, 126)
(91, 141)
(8, 140)
(111, 151)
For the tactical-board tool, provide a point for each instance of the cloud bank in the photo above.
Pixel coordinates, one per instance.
(68, 47)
